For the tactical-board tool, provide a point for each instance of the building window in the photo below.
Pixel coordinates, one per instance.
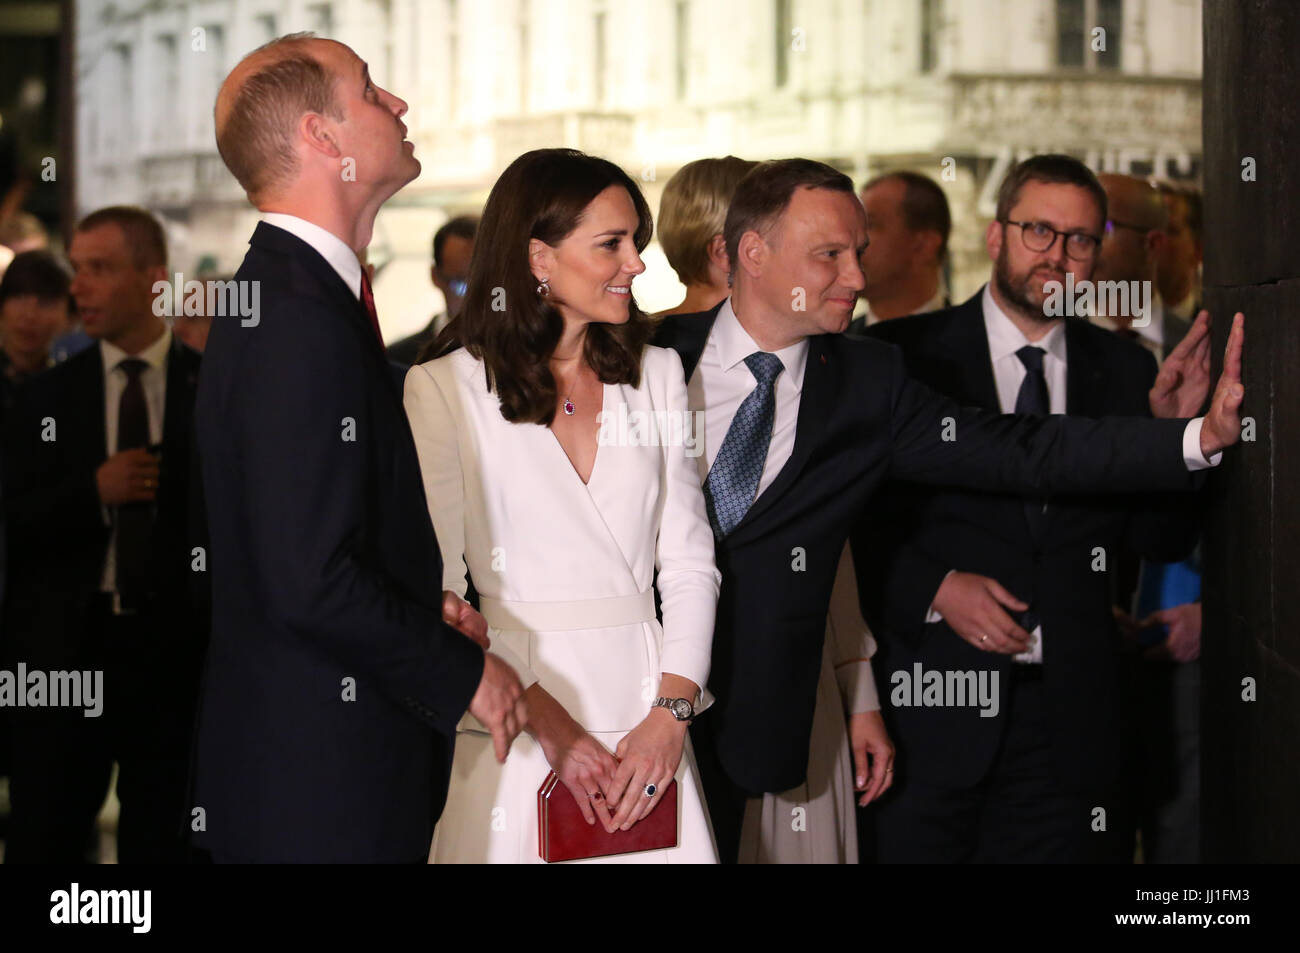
(120, 91)
(320, 16)
(681, 39)
(931, 21)
(1110, 17)
(1076, 20)
(214, 73)
(525, 55)
(599, 59)
(784, 29)
(453, 57)
(266, 26)
(164, 128)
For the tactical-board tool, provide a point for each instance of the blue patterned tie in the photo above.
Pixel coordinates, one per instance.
(733, 478)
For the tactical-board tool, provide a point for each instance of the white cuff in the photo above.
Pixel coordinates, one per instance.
(931, 614)
(1192, 455)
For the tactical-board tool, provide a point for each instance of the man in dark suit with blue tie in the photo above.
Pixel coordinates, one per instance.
(816, 433)
(98, 484)
(333, 685)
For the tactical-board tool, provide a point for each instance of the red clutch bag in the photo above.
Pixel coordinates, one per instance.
(564, 834)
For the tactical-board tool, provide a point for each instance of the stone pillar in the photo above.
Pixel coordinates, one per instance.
(1251, 749)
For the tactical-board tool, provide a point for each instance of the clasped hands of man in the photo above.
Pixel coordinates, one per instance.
(972, 604)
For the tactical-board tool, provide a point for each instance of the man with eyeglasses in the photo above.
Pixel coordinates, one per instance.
(453, 247)
(1017, 591)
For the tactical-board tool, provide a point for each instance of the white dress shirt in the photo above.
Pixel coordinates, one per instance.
(153, 379)
(332, 248)
(1009, 373)
(719, 385)
(722, 381)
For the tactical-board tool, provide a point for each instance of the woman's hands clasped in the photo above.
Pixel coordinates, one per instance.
(582, 763)
(587, 769)
(648, 754)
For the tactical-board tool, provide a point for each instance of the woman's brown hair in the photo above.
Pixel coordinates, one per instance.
(504, 321)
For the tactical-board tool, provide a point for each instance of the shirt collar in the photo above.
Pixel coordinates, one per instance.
(333, 249)
(734, 344)
(1005, 338)
(155, 355)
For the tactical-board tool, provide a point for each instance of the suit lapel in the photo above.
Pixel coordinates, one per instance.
(970, 340)
(93, 396)
(686, 334)
(178, 405)
(1085, 374)
(277, 239)
(821, 378)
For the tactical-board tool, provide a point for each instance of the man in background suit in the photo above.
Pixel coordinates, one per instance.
(1178, 268)
(908, 225)
(1013, 588)
(1159, 660)
(802, 424)
(453, 248)
(98, 458)
(1132, 243)
(333, 685)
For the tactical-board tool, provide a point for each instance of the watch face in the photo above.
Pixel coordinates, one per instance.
(681, 708)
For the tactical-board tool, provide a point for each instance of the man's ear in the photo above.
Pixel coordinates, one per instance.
(156, 273)
(1155, 242)
(541, 258)
(752, 253)
(994, 236)
(927, 246)
(320, 134)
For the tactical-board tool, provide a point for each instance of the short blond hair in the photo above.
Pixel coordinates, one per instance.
(694, 209)
(256, 140)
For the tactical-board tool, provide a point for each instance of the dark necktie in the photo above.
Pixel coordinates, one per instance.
(133, 520)
(368, 299)
(733, 479)
(1033, 399)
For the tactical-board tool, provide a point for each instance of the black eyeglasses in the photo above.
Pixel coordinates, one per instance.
(1112, 224)
(1039, 236)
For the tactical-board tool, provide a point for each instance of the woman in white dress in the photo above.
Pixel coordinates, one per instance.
(554, 483)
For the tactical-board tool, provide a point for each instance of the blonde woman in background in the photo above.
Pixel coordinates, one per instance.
(691, 215)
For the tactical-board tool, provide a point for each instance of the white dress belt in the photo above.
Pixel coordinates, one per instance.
(507, 616)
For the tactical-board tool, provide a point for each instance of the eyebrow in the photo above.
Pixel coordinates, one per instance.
(612, 231)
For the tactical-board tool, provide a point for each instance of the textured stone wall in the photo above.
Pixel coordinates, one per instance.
(1251, 749)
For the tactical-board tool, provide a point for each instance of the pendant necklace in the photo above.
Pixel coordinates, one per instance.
(568, 407)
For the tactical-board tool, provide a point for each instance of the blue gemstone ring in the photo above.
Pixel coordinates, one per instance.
(650, 790)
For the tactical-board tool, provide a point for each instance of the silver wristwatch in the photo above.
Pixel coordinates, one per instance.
(681, 708)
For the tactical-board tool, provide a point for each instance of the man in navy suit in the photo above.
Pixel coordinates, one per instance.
(808, 423)
(333, 684)
(98, 479)
(1020, 589)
